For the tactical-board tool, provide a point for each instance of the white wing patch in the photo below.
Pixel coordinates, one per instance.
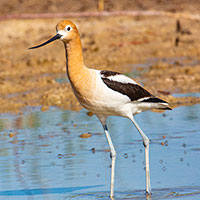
(145, 98)
(121, 79)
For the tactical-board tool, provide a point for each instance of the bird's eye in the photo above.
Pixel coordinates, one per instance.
(68, 28)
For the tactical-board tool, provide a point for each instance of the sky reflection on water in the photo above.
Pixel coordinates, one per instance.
(43, 157)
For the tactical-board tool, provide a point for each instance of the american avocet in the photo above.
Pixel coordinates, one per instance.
(105, 92)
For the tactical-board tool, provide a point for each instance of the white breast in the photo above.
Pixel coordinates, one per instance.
(105, 100)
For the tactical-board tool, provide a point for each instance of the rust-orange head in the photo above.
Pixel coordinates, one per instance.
(66, 31)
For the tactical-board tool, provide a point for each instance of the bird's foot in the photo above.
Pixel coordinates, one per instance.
(148, 195)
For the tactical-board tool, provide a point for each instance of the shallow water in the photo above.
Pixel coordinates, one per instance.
(43, 157)
(144, 67)
(181, 61)
(186, 94)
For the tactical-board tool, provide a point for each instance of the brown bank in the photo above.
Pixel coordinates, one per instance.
(37, 77)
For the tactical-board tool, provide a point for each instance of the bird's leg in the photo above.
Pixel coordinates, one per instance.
(113, 157)
(112, 154)
(146, 146)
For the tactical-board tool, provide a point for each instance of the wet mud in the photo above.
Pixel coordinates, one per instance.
(123, 44)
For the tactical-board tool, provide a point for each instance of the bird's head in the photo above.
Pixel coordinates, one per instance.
(66, 31)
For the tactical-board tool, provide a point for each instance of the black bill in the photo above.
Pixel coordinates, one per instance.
(57, 36)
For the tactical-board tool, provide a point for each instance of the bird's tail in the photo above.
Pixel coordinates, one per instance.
(159, 103)
(165, 108)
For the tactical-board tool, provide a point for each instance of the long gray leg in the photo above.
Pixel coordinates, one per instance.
(112, 153)
(146, 145)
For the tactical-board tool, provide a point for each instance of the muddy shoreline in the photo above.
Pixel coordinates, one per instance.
(38, 77)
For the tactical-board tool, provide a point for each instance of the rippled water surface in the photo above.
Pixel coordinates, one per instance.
(43, 157)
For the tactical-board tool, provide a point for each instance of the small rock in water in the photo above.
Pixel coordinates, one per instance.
(85, 135)
(60, 156)
(44, 108)
(89, 113)
(93, 150)
(125, 155)
(12, 135)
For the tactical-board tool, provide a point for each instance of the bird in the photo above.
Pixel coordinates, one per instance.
(105, 93)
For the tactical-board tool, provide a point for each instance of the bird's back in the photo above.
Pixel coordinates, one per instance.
(111, 93)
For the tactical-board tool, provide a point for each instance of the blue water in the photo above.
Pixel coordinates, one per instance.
(186, 94)
(43, 157)
(181, 61)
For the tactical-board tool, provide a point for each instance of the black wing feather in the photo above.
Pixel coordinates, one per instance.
(133, 91)
(154, 100)
(106, 74)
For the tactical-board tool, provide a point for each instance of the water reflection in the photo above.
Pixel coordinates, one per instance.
(40, 191)
(42, 153)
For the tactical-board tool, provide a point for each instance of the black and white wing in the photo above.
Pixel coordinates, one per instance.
(126, 86)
